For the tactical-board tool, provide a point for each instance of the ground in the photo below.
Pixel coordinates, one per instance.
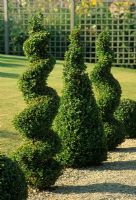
(114, 180)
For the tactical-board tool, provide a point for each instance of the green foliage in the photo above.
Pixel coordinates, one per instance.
(37, 118)
(1, 33)
(126, 113)
(36, 47)
(18, 28)
(38, 164)
(35, 24)
(12, 181)
(18, 34)
(77, 122)
(115, 132)
(108, 91)
(36, 157)
(32, 83)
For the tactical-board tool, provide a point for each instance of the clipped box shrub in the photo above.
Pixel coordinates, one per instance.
(12, 180)
(38, 163)
(126, 113)
(78, 123)
(37, 156)
(108, 91)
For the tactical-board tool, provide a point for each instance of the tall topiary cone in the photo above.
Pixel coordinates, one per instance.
(108, 91)
(77, 122)
(36, 156)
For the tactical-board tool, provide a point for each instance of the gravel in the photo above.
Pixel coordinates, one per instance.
(115, 179)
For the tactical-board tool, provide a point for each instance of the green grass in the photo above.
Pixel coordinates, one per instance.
(11, 101)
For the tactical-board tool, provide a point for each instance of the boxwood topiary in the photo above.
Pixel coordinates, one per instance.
(126, 113)
(108, 91)
(77, 122)
(12, 180)
(37, 155)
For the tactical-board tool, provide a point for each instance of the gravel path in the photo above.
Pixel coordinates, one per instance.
(114, 180)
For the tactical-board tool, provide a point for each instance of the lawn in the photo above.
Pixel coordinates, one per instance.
(11, 101)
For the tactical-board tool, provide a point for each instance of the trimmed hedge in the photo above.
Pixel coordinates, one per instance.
(12, 180)
(36, 156)
(108, 91)
(126, 113)
(78, 123)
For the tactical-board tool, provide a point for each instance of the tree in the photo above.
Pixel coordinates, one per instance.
(108, 91)
(77, 122)
(36, 156)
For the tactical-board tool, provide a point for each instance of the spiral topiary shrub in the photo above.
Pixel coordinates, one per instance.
(126, 113)
(77, 122)
(108, 91)
(37, 155)
(12, 180)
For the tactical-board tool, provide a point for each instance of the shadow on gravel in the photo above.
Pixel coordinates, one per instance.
(94, 188)
(120, 165)
(126, 150)
(115, 165)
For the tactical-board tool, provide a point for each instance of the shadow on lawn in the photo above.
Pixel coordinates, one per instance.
(5, 57)
(95, 188)
(8, 64)
(6, 134)
(9, 75)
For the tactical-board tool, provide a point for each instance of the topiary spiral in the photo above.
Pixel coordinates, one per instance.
(78, 123)
(126, 113)
(108, 91)
(12, 180)
(36, 156)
